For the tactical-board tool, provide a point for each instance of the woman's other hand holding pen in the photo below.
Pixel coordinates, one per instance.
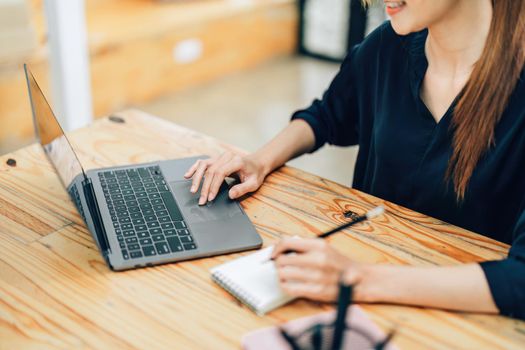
(314, 270)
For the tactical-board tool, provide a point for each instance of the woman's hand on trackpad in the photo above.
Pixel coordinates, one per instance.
(212, 172)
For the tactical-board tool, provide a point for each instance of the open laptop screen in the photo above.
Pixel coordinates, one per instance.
(50, 134)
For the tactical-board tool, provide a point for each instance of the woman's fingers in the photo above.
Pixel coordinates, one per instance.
(302, 274)
(233, 165)
(304, 260)
(297, 245)
(191, 170)
(241, 189)
(198, 173)
(213, 171)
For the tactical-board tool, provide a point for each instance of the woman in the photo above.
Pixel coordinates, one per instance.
(435, 99)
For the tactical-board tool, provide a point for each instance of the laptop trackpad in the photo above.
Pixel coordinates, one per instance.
(221, 209)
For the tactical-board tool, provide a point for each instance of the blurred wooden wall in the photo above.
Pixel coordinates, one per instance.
(131, 46)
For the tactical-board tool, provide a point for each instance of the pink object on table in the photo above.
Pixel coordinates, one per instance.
(271, 339)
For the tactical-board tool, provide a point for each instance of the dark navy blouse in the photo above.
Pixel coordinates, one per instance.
(374, 102)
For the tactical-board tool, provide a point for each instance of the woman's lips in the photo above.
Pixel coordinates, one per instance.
(393, 7)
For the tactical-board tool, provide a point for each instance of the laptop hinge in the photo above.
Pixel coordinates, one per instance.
(92, 205)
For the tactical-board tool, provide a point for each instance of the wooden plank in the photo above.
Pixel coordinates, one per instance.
(56, 291)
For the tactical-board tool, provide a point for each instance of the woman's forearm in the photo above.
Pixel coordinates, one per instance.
(461, 287)
(297, 138)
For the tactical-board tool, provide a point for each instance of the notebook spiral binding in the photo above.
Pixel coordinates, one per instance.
(245, 298)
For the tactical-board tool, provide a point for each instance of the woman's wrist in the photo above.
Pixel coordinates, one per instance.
(262, 162)
(364, 279)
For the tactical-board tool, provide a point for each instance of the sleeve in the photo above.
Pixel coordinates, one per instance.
(506, 278)
(333, 119)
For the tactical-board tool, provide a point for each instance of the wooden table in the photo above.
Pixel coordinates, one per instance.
(56, 291)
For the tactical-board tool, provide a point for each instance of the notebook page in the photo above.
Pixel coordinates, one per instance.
(253, 280)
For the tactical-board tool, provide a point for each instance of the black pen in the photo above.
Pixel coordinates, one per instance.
(368, 216)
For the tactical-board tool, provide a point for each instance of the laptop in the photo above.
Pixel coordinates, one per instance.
(142, 214)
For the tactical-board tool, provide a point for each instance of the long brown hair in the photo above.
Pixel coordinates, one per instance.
(486, 94)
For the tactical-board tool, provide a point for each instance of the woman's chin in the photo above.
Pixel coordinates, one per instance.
(402, 28)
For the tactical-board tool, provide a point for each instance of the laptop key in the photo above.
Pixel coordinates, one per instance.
(133, 246)
(143, 234)
(153, 224)
(126, 226)
(138, 221)
(150, 218)
(122, 245)
(170, 232)
(141, 228)
(190, 246)
(137, 215)
(186, 239)
(163, 188)
(131, 240)
(155, 231)
(132, 204)
(125, 254)
(161, 213)
(145, 241)
(158, 238)
(175, 244)
(148, 212)
(162, 248)
(129, 233)
(164, 219)
(183, 232)
(179, 225)
(149, 250)
(143, 172)
(167, 225)
(136, 254)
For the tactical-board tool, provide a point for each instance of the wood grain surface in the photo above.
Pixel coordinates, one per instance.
(57, 293)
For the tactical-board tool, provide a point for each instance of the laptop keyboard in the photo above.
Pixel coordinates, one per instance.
(146, 218)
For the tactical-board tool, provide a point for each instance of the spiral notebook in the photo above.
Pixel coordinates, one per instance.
(253, 281)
